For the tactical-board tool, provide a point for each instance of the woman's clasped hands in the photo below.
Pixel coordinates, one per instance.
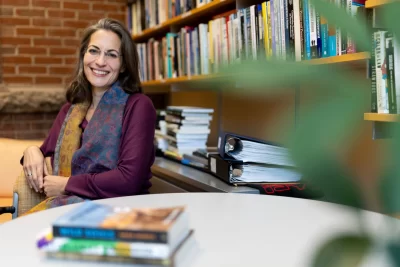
(37, 174)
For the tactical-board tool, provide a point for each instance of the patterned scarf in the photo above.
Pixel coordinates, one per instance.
(100, 142)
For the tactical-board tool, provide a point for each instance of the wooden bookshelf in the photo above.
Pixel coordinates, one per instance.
(347, 58)
(377, 3)
(356, 58)
(381, 117)
(184, 19)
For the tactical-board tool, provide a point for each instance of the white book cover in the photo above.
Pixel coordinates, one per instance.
(396, 50)
(382, 94)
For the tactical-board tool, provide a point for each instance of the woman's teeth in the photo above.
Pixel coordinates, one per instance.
(100, 72)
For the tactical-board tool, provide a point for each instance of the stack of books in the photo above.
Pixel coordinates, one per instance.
(187, 128)
(160, 140)
(98, 232)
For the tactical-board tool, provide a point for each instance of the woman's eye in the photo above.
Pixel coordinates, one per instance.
(93, 51)
(112, 55)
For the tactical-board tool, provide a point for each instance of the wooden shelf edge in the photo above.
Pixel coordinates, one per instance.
(382, 117)
(348, 58)
(360, 56)
(377, 3)
(181, 19)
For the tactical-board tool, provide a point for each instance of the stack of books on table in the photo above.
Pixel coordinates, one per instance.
(140, 237)
(187, 128)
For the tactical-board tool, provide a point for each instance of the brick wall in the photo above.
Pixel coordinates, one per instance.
(38, 44)
(39, 38)
(26, 125)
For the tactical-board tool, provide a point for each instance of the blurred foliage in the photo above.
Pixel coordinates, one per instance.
(330, 123)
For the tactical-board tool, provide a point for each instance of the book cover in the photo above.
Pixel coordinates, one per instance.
(102, 222)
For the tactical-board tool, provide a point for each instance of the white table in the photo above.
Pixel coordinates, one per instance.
(230, 229)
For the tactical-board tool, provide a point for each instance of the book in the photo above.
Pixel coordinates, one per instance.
(182, 255)
(96, 221)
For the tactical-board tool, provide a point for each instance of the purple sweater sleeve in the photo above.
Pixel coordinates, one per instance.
(136, 155)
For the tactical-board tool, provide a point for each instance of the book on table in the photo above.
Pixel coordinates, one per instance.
(143, 236)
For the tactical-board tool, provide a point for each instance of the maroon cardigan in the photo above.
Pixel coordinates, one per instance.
(136, 154)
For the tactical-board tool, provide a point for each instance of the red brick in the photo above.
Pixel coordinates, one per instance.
(31, 135)
(17, 60)
(46, 22)
(14, 21)
(17, 79)
(30, 31)
(9, 69)
(7, 50)
(29, 12)
(8, 31)
(48, 80)
(72, 42)
(50, 116)
(32, 50)
(117, 16)
(61, 32)
(48, 60)
(105, 7)
(32, 69)
(15, 2)
(70, 61)
(63, 51)
(46, 3)
(92, 16)
(61, 14)
(47, 41)
(61, 70)
(14, 41)
(76, 24)
(28, 116)
(6, 11)
(76, 6)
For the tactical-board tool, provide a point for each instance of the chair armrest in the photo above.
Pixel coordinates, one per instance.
(27, 197)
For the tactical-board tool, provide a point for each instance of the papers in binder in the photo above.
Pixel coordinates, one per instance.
(250, 151)
(253, 173)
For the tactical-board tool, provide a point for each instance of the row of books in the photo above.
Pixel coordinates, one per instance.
(139, 236)
(183, 129)
(144, 14)
(384, 68)
(255, 32)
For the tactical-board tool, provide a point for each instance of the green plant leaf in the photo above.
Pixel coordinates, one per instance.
(342, 251)
(389, 184)
(393, 250)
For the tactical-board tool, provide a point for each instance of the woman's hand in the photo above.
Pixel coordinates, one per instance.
(55, 185)
(34, 167)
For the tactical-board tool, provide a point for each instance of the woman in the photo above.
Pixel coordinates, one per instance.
(101, 143)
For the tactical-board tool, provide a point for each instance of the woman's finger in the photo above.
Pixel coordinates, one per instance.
(29, 175)
(33, 175)
(45, 170)
(39, 173)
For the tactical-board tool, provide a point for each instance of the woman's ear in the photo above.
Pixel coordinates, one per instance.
(122, 69)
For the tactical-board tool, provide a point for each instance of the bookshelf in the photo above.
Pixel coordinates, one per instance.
(185, 18)
(381, 117)
(377, 3)
(246, 113)
(353, 59)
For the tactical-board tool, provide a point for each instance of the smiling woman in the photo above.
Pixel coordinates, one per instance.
(101, 143)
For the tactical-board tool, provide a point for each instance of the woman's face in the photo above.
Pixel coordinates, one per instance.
(102, 60)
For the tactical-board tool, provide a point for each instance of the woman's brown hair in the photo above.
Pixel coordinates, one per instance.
(79, 90)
